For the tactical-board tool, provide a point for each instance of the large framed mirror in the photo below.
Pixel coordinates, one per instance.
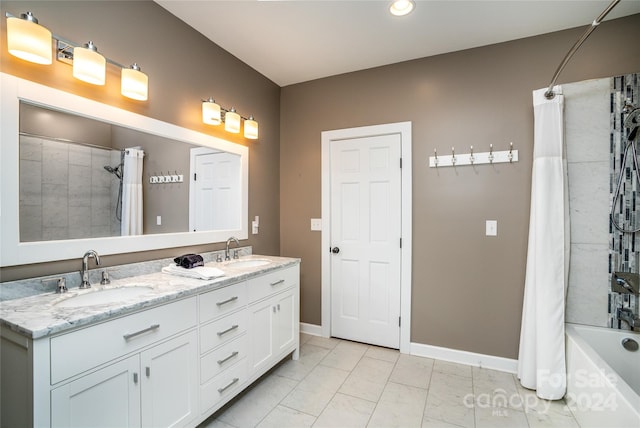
(67, 166)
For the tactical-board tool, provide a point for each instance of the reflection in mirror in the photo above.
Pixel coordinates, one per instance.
(82, 178)
(62, 163)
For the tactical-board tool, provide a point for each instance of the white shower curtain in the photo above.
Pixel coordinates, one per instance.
(541, 359)
(132, 193)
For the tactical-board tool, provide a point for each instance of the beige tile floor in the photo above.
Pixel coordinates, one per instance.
(337, 383)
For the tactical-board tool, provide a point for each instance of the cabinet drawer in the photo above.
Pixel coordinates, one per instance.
(222, 301)
(270, 283)
(78, 351)
(224, 386)
(218, 332)
(222, 358)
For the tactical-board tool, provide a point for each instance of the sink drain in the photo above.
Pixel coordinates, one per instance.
(629, 344)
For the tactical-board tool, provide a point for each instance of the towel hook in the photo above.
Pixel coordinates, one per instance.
(510, 156)
(435, 160)
(490, 153)
(453, 156)
(471, 158)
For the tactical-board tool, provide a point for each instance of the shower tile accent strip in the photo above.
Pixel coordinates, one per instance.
(623, 255)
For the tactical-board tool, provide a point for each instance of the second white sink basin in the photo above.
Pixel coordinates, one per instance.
(248, 263)
(106, 296)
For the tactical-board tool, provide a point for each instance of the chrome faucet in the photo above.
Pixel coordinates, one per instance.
(226, 251)
(627, 315)
(85, 267)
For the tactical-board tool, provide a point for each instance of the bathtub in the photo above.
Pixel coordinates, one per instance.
(603, 378)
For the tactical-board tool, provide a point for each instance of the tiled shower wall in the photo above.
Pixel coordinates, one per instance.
(593, 144)
(624, 256)
(65, 192)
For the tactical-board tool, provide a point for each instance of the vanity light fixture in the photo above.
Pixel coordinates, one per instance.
(134, 83)
(28, 40)
(401, 7)
(214, 114)
(211, 112)
(251, 129)
(232, 121)
(88, 65)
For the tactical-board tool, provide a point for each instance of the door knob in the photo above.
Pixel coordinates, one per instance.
(335, 250)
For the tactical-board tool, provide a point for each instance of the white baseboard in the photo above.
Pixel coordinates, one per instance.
(463, 357)
(312, 329)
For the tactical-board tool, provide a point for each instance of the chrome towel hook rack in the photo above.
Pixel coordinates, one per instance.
(474, 158)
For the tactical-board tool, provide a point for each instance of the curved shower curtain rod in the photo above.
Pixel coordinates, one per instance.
(550, 94)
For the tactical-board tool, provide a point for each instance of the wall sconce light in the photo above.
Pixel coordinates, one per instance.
(88, 65)
(232, 121)
(134, 83)
(28, 40)
(251, 129)
(212, 114)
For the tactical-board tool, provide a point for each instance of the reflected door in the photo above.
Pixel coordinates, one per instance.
(216, 185)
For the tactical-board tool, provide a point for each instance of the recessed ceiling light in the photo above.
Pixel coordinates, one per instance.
(401, 7)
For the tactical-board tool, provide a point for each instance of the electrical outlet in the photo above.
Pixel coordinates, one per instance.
(316, 224)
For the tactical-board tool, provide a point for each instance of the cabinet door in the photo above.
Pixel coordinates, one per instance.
(262, 318)
(285, 325)
(170, 382)
(109, 397)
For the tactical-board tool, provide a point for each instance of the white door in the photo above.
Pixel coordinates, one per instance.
(216, 183)
(366, 227)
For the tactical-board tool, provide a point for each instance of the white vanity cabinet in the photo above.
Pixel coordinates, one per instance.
(153, 387)
(169, 365)
(275, 321)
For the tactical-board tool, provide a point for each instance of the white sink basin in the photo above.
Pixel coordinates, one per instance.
(248, 263)
(102, 297)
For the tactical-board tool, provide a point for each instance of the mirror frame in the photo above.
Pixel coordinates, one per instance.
(13, 252)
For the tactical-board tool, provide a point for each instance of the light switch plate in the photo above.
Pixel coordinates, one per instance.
(492, 228)
(316, 224)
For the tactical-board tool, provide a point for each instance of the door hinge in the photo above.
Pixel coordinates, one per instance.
(400, 242)
(400, 163)
(399, 321)
(195, 176)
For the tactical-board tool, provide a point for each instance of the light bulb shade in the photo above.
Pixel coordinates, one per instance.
(251, 129)
(88, 65)
(401, 7)
(134, 83)
(28, 40)
(211, 112)
(232, 122)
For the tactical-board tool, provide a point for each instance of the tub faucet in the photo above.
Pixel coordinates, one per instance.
(226, 251)
(85, 267)
(627, 315)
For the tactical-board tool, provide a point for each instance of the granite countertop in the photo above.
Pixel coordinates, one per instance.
(38, 316)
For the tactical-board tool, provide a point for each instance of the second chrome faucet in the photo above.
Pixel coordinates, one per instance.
(85, 267)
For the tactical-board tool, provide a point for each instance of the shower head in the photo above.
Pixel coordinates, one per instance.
(114, 170)
(632, 121)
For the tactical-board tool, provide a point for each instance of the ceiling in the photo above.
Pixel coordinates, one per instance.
(300, 40)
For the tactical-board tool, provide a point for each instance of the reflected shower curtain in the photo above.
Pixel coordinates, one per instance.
(541, 359)
(132, 193)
